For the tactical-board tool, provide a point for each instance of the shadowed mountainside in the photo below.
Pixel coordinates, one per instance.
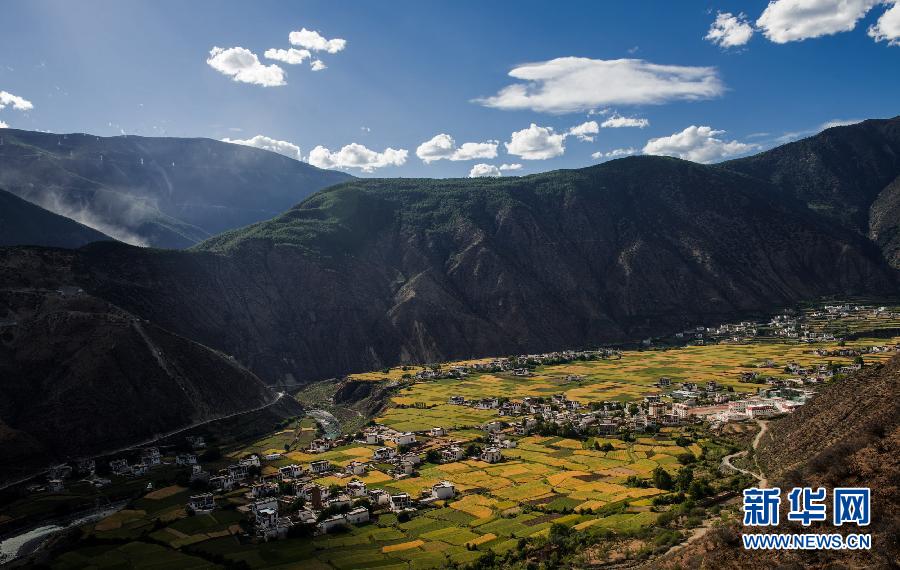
(846, 174)
(376, 272)
(79, 376)
(162, 192)
(23, 223)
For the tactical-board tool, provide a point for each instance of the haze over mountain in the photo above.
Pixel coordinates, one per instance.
(376, 272)
(162, 192)
(23, 223)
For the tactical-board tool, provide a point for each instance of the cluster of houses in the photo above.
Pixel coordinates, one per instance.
(290, 497)
(700, 335)
(517, 365)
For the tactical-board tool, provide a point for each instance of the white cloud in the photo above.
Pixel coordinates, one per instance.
(314, 41)
(794, 20)
(317, 65)
(729, 30)
(266, 143)
(442, 146)
(355, 155)
(3, 125)
(618, 122)
(615, 153)
(585, 131)
(18, 103)
(291, 56)
(570, 84)
(698, 144)
(513, 166)
(887, 28)
(243, 65)
(536, 143)
(481, 170)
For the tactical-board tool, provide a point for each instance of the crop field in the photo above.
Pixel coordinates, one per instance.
(598, 483)
(630, 378)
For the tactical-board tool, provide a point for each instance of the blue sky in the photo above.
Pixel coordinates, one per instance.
(409, 71)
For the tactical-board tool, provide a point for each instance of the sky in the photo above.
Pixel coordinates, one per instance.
(453, 89)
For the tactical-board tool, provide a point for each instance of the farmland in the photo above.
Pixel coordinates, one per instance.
(642, 489)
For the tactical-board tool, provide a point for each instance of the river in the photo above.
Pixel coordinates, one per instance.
(330, 424)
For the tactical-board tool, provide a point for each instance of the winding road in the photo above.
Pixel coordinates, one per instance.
(728, 465)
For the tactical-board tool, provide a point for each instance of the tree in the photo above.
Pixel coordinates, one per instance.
(662, 479)
(433, 456)
(684, 478)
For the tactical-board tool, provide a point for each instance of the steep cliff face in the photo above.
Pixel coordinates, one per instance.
(157, 191)
(80, 376)
(377, 272)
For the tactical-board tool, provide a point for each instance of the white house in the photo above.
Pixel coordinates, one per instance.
(491, 455)
(405, 438)
(379, 497)
(321, 466)
(202, 503)
(438, 432)
(451, 454)
(339, 501)
(400, 502)
(443, 490)
(357, 488)
(358, 515)
(252, 461)
(327, 525)
(120, 467)
(151, 456)
(186, 459)
(384, 454)
(355, 468)
(291, 471)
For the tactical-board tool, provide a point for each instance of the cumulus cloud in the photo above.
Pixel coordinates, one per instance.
(536, 143)
(513, 166)
(317, 65)
(355, 155)
(18, 103)
(481, 170)
(887, 28)
(794, 20)
(242, 65)
(442, 146)
(698, 144)
(615, 153)
(3, 125)
(618, 122)
(570, 84)
(291, 56)
(266, 143)
(314, 41)
(729, 31)
(585, 131)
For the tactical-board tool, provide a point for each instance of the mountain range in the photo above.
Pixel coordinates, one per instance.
(157, 191)
(371, 273)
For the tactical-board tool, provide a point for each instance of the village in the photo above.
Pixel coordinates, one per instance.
(577, 436)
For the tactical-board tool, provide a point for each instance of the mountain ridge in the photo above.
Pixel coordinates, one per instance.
(158, 191)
